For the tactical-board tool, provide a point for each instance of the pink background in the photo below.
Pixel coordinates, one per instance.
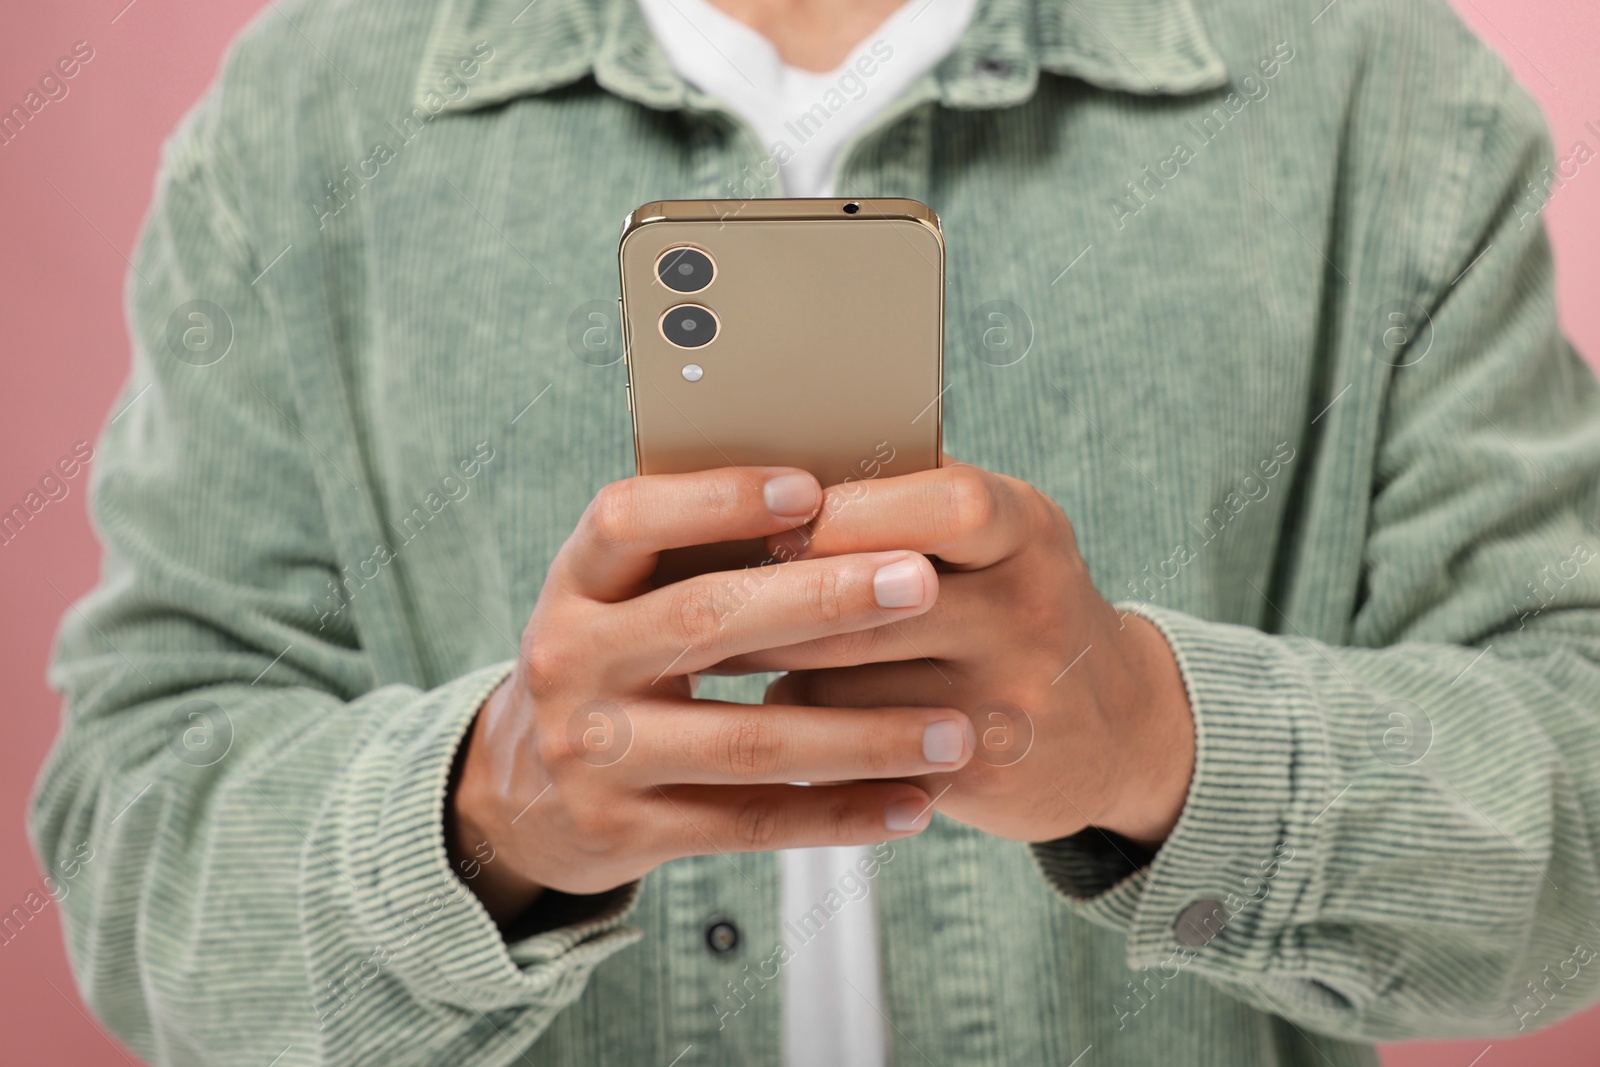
(61, 277)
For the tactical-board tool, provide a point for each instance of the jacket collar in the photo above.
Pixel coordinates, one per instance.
(1150, 47)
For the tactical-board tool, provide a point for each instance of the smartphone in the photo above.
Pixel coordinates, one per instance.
(794, 332)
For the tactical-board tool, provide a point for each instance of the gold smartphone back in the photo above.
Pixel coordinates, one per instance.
(828, 347)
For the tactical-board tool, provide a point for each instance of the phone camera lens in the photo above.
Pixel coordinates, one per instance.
(689, 325)
(684, 270)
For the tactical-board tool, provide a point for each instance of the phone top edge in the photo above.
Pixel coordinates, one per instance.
(767, 208)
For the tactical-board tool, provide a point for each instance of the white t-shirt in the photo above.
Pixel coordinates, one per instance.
(834, 1014)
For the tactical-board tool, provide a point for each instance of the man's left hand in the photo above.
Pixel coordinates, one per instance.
(1081, 714)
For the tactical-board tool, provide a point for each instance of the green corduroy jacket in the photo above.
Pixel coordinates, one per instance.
(1257, 292)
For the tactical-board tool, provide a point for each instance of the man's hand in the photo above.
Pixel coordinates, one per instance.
(593, 764)
(1081, 715)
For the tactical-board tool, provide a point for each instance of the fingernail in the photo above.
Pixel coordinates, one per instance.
(792, 496)
(905, 815)
(898, 585)
(942, 742)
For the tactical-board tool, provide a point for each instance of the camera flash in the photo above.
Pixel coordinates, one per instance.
(692, 372)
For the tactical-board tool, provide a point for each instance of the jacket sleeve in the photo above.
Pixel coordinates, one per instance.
(246, 829)
(1397, 836)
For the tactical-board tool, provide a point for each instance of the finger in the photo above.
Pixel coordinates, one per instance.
(703, 819)
(1004, 731)
(966, 606)
(613, 550)
(874, 685)
(963, 514)
(691, 625)
(712, 743)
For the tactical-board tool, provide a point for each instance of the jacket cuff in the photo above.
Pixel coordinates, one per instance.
(438, 937)
(1236, 868)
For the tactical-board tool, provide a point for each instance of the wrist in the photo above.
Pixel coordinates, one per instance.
(1158, 743)
(478, 847)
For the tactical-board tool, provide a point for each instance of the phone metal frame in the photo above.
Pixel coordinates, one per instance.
(731, 212)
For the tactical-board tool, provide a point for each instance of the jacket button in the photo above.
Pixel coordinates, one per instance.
(722, 937)
(1200, 922)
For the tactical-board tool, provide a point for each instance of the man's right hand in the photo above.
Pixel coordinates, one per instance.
(593, 763)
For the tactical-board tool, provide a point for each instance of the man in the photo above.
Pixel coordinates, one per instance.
(1231, 700)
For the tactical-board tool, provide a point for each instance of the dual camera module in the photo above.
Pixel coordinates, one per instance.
(687, 270)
